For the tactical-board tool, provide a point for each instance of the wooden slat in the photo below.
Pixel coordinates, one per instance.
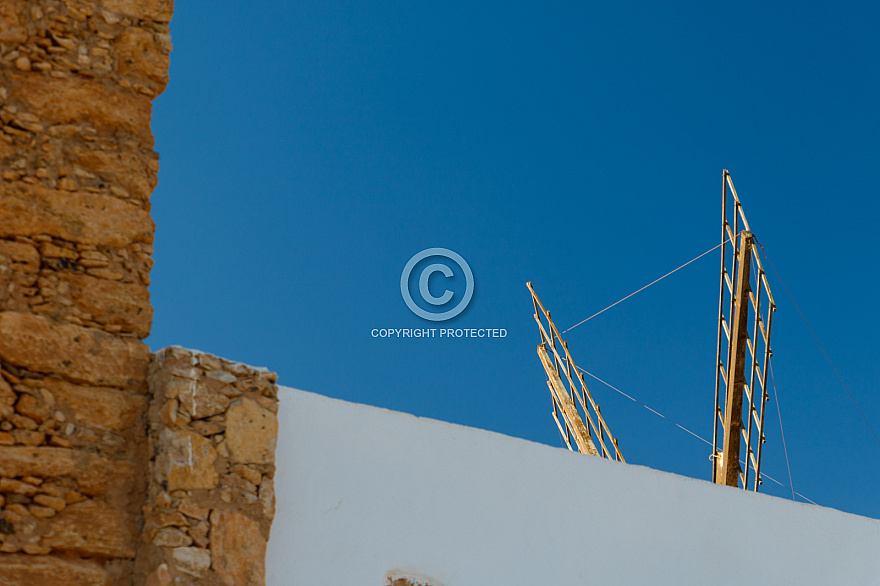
(753, 300)
(589, 420)
(598, 415)
(763, 379)
(767, 287)
(723, 374)
(739, 209)
(721, 323)
(730, 235)
(585, 391)
(569, 411)
(764, 333)
(551, 334)
(559, 425)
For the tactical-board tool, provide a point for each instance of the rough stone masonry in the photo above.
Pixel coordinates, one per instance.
(116, 466)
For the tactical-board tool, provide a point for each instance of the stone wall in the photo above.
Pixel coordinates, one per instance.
(77, 168)
(211, 499)
(79, 430)
(77, 79)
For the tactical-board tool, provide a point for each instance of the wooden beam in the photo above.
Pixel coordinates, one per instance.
(729, 469)
(722, 326)
(569, 412)
(559, 369)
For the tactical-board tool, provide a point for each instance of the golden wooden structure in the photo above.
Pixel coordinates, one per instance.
(590, 434)
(743, 353)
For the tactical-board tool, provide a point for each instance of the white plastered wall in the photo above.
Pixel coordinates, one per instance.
(363, 491)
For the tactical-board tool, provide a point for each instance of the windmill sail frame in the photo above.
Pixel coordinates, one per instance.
(589, 434)
(739, 349)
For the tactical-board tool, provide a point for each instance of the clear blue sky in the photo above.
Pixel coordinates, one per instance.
(308, 150)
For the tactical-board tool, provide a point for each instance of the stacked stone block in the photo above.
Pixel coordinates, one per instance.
(77, 165)
(72, 407)
(77, 168)
(106, 477)
(211, 499)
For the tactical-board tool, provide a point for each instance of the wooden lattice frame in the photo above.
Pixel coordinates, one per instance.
(572, 427)
(747, 287)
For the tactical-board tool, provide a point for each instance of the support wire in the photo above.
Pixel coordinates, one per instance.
(822, 348)
(646, 286)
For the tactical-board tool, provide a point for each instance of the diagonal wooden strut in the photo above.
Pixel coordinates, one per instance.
(573, 421)
(560, 370)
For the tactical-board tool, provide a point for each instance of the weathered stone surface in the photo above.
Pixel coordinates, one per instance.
(41, 512)
(222, 376)
(10, 485)
(158, 10)
(100, 407)
(53, 502)
(140, 58)
(251, 433)
(238, 549)
(267, 497)
(232, 539)
(199, 402)
(199, 533)
(16, 509)
(168, 413)
(112, 302)
(25, 570)
(160, 576)
(93, 528)
(192, 510)
(22, 422)
(49, 250)
(90, 218)
(13, 24)
(131, 169)
(6, 149)
(94, 474)
(170, 520)
(109, 107)
(176, 385)
(37, 406)
(171, 537)
(76, 353)
(28, 438)
(248, 473)
(186, 460)
(76, 170)
(7, 398)
(24, 257)
(207, 427)
(191, 560)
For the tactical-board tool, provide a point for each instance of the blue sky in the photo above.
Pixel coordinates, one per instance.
(309, 150)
